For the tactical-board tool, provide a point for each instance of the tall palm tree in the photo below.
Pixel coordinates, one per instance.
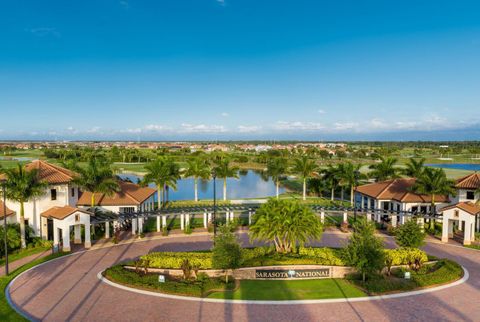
(162, 172)
(433, 182)
(414, 168)
(223, 169)
(349, 175)
(305, 168)
(22, 186)
(330, 176)
(276, 168)
(384, 170)
(197, 168)
(96, 177)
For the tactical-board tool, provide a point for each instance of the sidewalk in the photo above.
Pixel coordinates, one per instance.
(22, 261)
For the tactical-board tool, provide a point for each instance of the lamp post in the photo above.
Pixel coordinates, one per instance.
(214, 175)
(4, 192)
(356, 174)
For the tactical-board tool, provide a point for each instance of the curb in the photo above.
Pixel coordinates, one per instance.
(465, 277)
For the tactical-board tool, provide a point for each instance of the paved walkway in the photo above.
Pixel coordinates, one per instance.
(68, 289)
(22, 261)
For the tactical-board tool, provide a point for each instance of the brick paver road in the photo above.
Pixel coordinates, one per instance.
(68, 289)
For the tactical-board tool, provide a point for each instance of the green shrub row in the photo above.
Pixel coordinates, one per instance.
(266, 256)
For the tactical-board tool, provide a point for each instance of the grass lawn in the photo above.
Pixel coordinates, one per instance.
(6, 312)
(291, 290)
(23, 253)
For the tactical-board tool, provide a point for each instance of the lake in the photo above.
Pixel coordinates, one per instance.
(458, 166)
(249, 185)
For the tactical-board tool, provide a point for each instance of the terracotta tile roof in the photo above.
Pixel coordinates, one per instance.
(52, 174)
(129, 194)
(467, 206)
(62, 212)
(472, 181)
(2, 213)
(399, 190)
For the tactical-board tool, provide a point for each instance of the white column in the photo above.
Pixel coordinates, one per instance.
(66, 238)
(402, 218)
(140, 225)
(379, 216)
(107, 229)
(249, 217)
(445, 229)
(345, 217)
(232, 216)
(187, 220)
(182, 221)
(134, 226)
(56, 237)
(88, 242)
(159, 227)
(467, 239)
(209, 217)
(472, 231)
(322, 216)
(460, 225)
(77, 230)
(205, 221)
(164, 221)
(420, 222)
(227, 217)
(394, 220)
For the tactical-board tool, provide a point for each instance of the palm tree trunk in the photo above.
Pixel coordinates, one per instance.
(92, 200)
(22, 226)
(351, 196)
(196, 189)
(277, 184)
(159, 196)
(342, 194)
(224, 189)
(432, 213)
(332, 196)
(304, 188)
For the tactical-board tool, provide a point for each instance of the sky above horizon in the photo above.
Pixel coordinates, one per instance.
(239, 69)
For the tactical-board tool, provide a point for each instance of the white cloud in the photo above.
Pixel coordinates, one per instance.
(320, 111)
(343, 126)
(201, 128)
(44, 32)
(297, 125)
(156, 128)
(248, 128)
(224, 114)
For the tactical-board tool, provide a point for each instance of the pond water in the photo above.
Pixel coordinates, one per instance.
(249, 185)
(458, 166)
(26, 159)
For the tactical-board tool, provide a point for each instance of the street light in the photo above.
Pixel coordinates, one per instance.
(214, 175)
(4, 191)
(356, 174)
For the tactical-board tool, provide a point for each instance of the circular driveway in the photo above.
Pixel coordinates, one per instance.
(68, 289)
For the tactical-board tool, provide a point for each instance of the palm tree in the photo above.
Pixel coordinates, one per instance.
(433, 182)
(22, 186)
(384, 170)
(414, 168)
(330, 176)
(224, 170)
(305, 168)
(349, 174)
(162, 172)
(197, 168)
(275, 169)
(96, 177)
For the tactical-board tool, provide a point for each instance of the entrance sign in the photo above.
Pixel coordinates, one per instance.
(297, 274)
(161, 278)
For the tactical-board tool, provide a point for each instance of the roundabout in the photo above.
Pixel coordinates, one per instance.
(68, 288)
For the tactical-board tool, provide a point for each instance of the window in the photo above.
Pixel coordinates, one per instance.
(456, 213)
(127, 210)
(72, 192)
(471, 195)
(53, 194)
(77, 217)
(415, 209)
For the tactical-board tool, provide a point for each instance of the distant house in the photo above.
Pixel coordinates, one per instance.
(10, 214)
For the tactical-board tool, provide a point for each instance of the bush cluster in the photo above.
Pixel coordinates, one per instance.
(412, 257)
(174, 260)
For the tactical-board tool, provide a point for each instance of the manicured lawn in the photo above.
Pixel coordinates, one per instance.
(6, 312)
(291, 290)
(23, 253)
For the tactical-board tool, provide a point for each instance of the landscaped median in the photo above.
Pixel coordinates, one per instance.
(192, 274)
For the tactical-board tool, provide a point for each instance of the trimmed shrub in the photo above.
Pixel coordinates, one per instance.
(174, 260)
(412, 257)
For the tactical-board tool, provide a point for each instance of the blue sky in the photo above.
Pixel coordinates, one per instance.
(240, 69)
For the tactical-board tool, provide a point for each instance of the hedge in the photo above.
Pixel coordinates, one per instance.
(265, 256)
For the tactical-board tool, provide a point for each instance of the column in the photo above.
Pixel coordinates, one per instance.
(209, 217)
(164, 221)
(187, 220)
(107, 229)
(402, 218)
(182, 223)
(322, 217)
(467, 239)
(140, 225)
(205, 221)
(66, 238)
(227, 217)
(445, 229)
(134, 226)
(56, 235)
(472, 230)
(88, 242)
(394, 219)
(379, 216)
(345, 217)
(420, 222)
(77, 230)
(232, 216)
(249, 217)
(159, 226)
